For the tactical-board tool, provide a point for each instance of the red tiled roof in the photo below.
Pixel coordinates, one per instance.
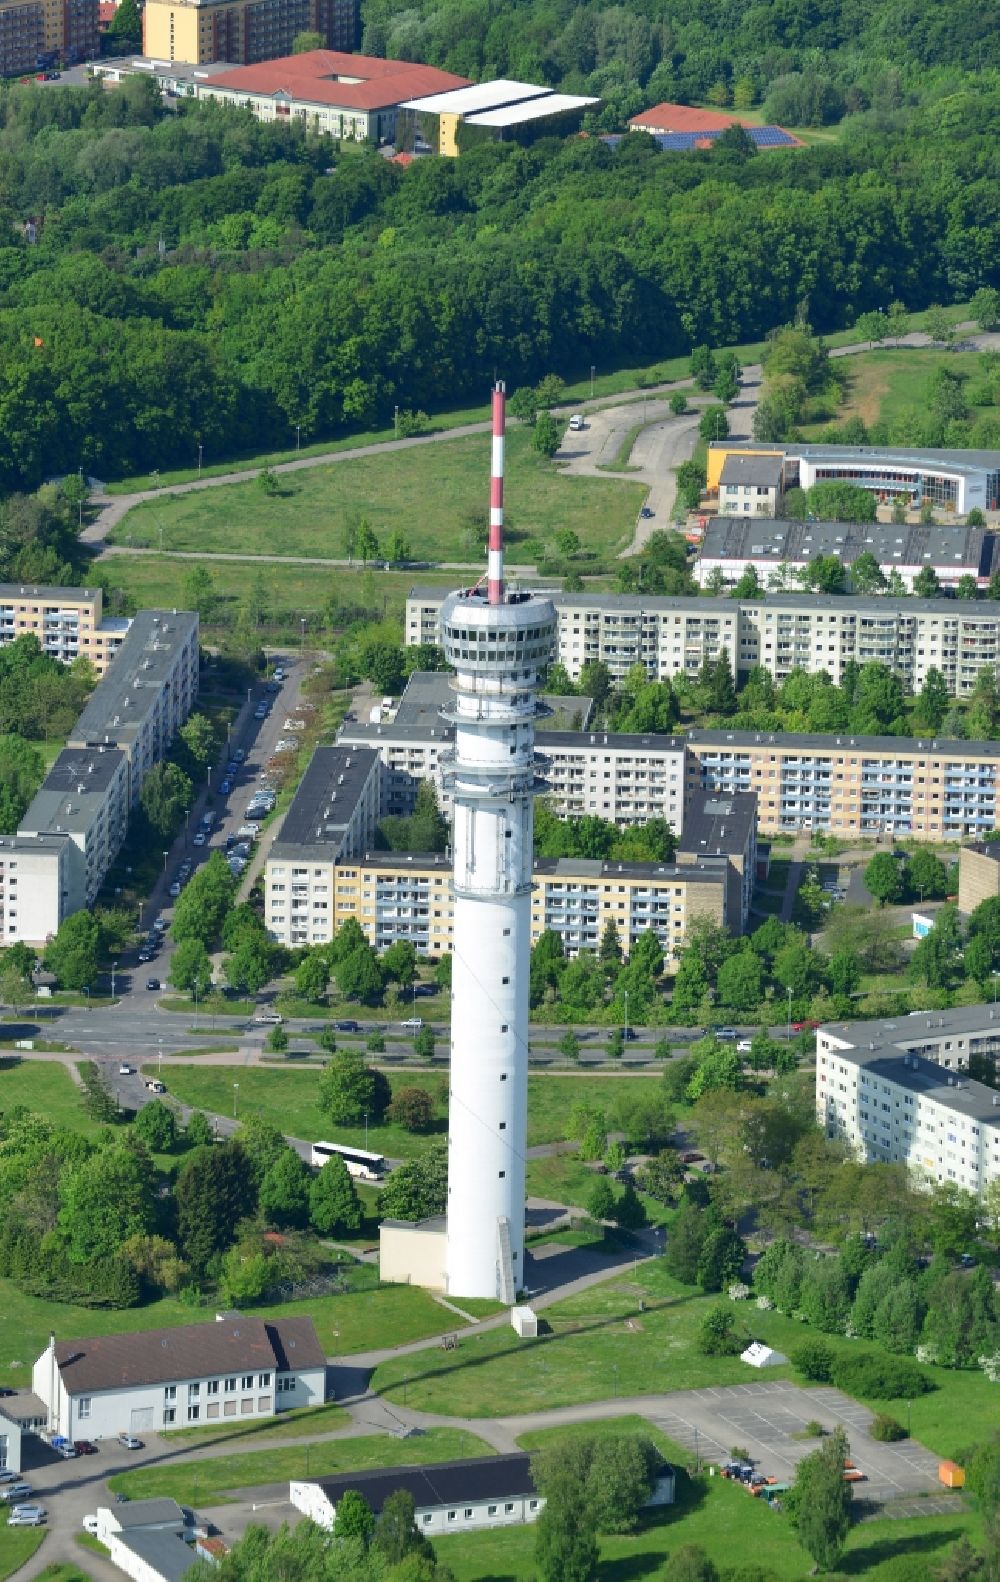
(106, 10)
(682, 118)
(313, 77)
(403, 159)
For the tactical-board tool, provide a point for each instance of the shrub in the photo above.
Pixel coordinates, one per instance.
(814, 1429)
(886, 1429)
(814, 1360)
(718, 1335)
(881, 1378)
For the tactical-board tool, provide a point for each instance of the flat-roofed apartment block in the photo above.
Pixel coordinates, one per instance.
(332, 817)
(67, 622)
(957, 480)
(627, 779)
(43, 30)
(720, 830)
(577, 899)
(399, 896)
(854, 785)
(732, 544)
(39, 882)
(978, 874)
(675, 636)
(85, 797)
(898, 1093)
(147, 693)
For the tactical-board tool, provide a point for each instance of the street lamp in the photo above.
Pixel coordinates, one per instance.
(626, 1017)
(789, 1016)
(114, 965)
(366, 1129)
(298, 436)
(199, 460)
(395, 421)
(236, 1089)
(593, 370)
(995, 976)
(166, 854)
(302, 623)
(159, 1061)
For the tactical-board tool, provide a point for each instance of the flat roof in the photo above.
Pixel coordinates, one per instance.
(888, 1042)
(983, 848)
(148, 1513)
(47, 591)
(324, 804)
(74, 791)
(761, 471)
(963, 461)
(133, 682)
(843, 741)
(477, 96)
(708, 606)
(534, 110)
(24, 1406)
(718, 823)
(441, 1483)
(791, 539)
(594, 868)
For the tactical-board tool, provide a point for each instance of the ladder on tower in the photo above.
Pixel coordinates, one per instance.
(506, 1288)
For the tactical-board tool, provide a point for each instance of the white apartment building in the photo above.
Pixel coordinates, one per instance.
(236, 1367)
(898, 1092)
(333, 816)
(782, 632)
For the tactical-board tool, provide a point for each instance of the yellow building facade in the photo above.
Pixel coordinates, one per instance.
(242, 31)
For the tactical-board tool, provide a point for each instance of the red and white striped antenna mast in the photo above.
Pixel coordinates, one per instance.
(495, 561)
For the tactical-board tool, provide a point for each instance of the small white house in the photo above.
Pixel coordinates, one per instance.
(106, 1385)
(760, 1356)
(450, 1496)
(149, 1540)
(524, 1321)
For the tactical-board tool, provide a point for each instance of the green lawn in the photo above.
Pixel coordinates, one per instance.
(429, 491)
(211, 1480)
(17, 1544)
(45, 1086)
(386, 1315)
(883, 385)
(591, 1347)
(158, 581)
(288, 1098)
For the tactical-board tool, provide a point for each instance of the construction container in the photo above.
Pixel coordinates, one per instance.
(951, 1475)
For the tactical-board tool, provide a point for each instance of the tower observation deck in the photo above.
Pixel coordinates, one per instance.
(499, 642)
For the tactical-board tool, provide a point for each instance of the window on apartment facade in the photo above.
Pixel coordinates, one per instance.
(169, 1415)
(194, 1412)
(170, 1392)
(83, 1406)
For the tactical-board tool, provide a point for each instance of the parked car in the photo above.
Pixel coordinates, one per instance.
(230, 842)
(125, 1070)
(225, 787)
(84, 1447)
(347, 1027)
(89, 1525)
(174, 890)
(413, 1024)
(727, 1034)
(66, 1450)
(160, 925)
(260, 712)
(154, 1085)
(145, 955)
(15, 1492)
(152, 984)
(27, 1516)
(268, 1018)
(248, 832)
(646, 513)
(200, 838)
(6, 1476)
(576, 422)
(239, 753)
(744, 1046)
(129, 1442)
(806, 1026)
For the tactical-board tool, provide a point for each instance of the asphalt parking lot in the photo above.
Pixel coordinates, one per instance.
(764, 1418)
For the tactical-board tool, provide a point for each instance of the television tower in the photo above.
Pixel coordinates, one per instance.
(498, 641)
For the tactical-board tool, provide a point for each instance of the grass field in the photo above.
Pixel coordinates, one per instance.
(211, 1480)
(158, 581)
(429, 491)
(288, 1097)
(591, 1347)
(47, 1087)
(718, 1516)
(17, 1544)
(883, 385)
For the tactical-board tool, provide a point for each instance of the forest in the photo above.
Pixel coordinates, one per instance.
(200, 280)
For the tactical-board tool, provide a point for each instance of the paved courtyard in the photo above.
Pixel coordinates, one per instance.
(764, 1417)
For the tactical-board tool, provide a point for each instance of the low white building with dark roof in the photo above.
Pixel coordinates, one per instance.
(106, 1385)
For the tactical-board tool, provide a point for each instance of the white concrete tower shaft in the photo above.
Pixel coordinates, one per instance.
(498, 651)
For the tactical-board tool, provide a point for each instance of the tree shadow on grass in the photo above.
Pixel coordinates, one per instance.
(859, 1562)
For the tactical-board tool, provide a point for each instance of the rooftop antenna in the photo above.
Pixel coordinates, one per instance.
(495, 562)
